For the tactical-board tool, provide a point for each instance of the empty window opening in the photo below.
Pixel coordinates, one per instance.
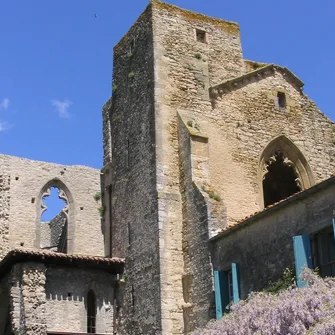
(54, 219)
(201, 36)
(280, 181)
(91, 312)
(281, 100)
(323, 252)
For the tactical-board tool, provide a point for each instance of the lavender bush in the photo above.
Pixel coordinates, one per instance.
(293, 311)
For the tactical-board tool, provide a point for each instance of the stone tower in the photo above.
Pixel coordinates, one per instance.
(188, 136)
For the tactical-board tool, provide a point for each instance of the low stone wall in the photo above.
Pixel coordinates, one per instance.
(66, 299)
(54, 299)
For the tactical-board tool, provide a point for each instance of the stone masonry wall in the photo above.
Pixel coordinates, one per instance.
(28, 178)
(66, 299)
(57, 225)
(51, 231)
(133, 208)
(106, 132)
(184, 70)
(197, 276)
(244, 120)
(27, 297)
(4, 213)
(264, 247)
(158, 209)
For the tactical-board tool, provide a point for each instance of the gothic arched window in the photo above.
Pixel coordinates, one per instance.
(91, 312)
(280, 181)
(53, 228)
(55, 218)
(284, 171)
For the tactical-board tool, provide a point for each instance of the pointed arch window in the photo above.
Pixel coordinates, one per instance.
(284, 171)
(281, 179)
(91, 312)
(55, 224)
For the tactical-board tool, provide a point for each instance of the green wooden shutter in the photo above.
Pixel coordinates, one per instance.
(334, 228)
(218, 300)
(302, 256)
(236, 283)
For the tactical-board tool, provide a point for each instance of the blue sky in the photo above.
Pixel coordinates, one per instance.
(56, 63)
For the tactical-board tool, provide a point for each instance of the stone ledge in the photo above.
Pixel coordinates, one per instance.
(233, 83)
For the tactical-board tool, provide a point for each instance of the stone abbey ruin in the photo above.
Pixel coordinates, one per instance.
(217, 175)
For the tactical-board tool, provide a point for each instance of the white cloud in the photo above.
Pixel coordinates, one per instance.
(62, 107)
(4, 104)
(4, 126)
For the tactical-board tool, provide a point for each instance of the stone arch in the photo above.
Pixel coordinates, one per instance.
(281, 154)
(68, 211)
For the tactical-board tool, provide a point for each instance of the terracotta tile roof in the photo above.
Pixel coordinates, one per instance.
(277, 205)
(113, 265)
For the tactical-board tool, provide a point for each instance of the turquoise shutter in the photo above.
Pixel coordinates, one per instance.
(302, 256)
(218, 300)
(334, 228)
(235, 278)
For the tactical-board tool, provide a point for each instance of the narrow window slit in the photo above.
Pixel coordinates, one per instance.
(91, 312)
(281, 100)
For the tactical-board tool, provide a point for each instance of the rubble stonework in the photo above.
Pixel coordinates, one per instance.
(44, 291)
(28, 299)
(4, 214)
(190, 133)
(187, 133)
(29, 180)
(51, 232)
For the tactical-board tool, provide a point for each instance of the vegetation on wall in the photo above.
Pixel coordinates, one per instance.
(211, 192)
(97, 196)
(101, 210)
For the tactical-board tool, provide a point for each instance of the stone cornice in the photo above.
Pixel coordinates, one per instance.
(237, 82)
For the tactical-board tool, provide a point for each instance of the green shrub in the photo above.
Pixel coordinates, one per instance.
(97, 196)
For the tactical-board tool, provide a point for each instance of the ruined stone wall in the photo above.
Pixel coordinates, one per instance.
(264, 247)
(4, 213)
(45, 235)
(28, 178)
(51, 231)
(66, 292)
(131, 179)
